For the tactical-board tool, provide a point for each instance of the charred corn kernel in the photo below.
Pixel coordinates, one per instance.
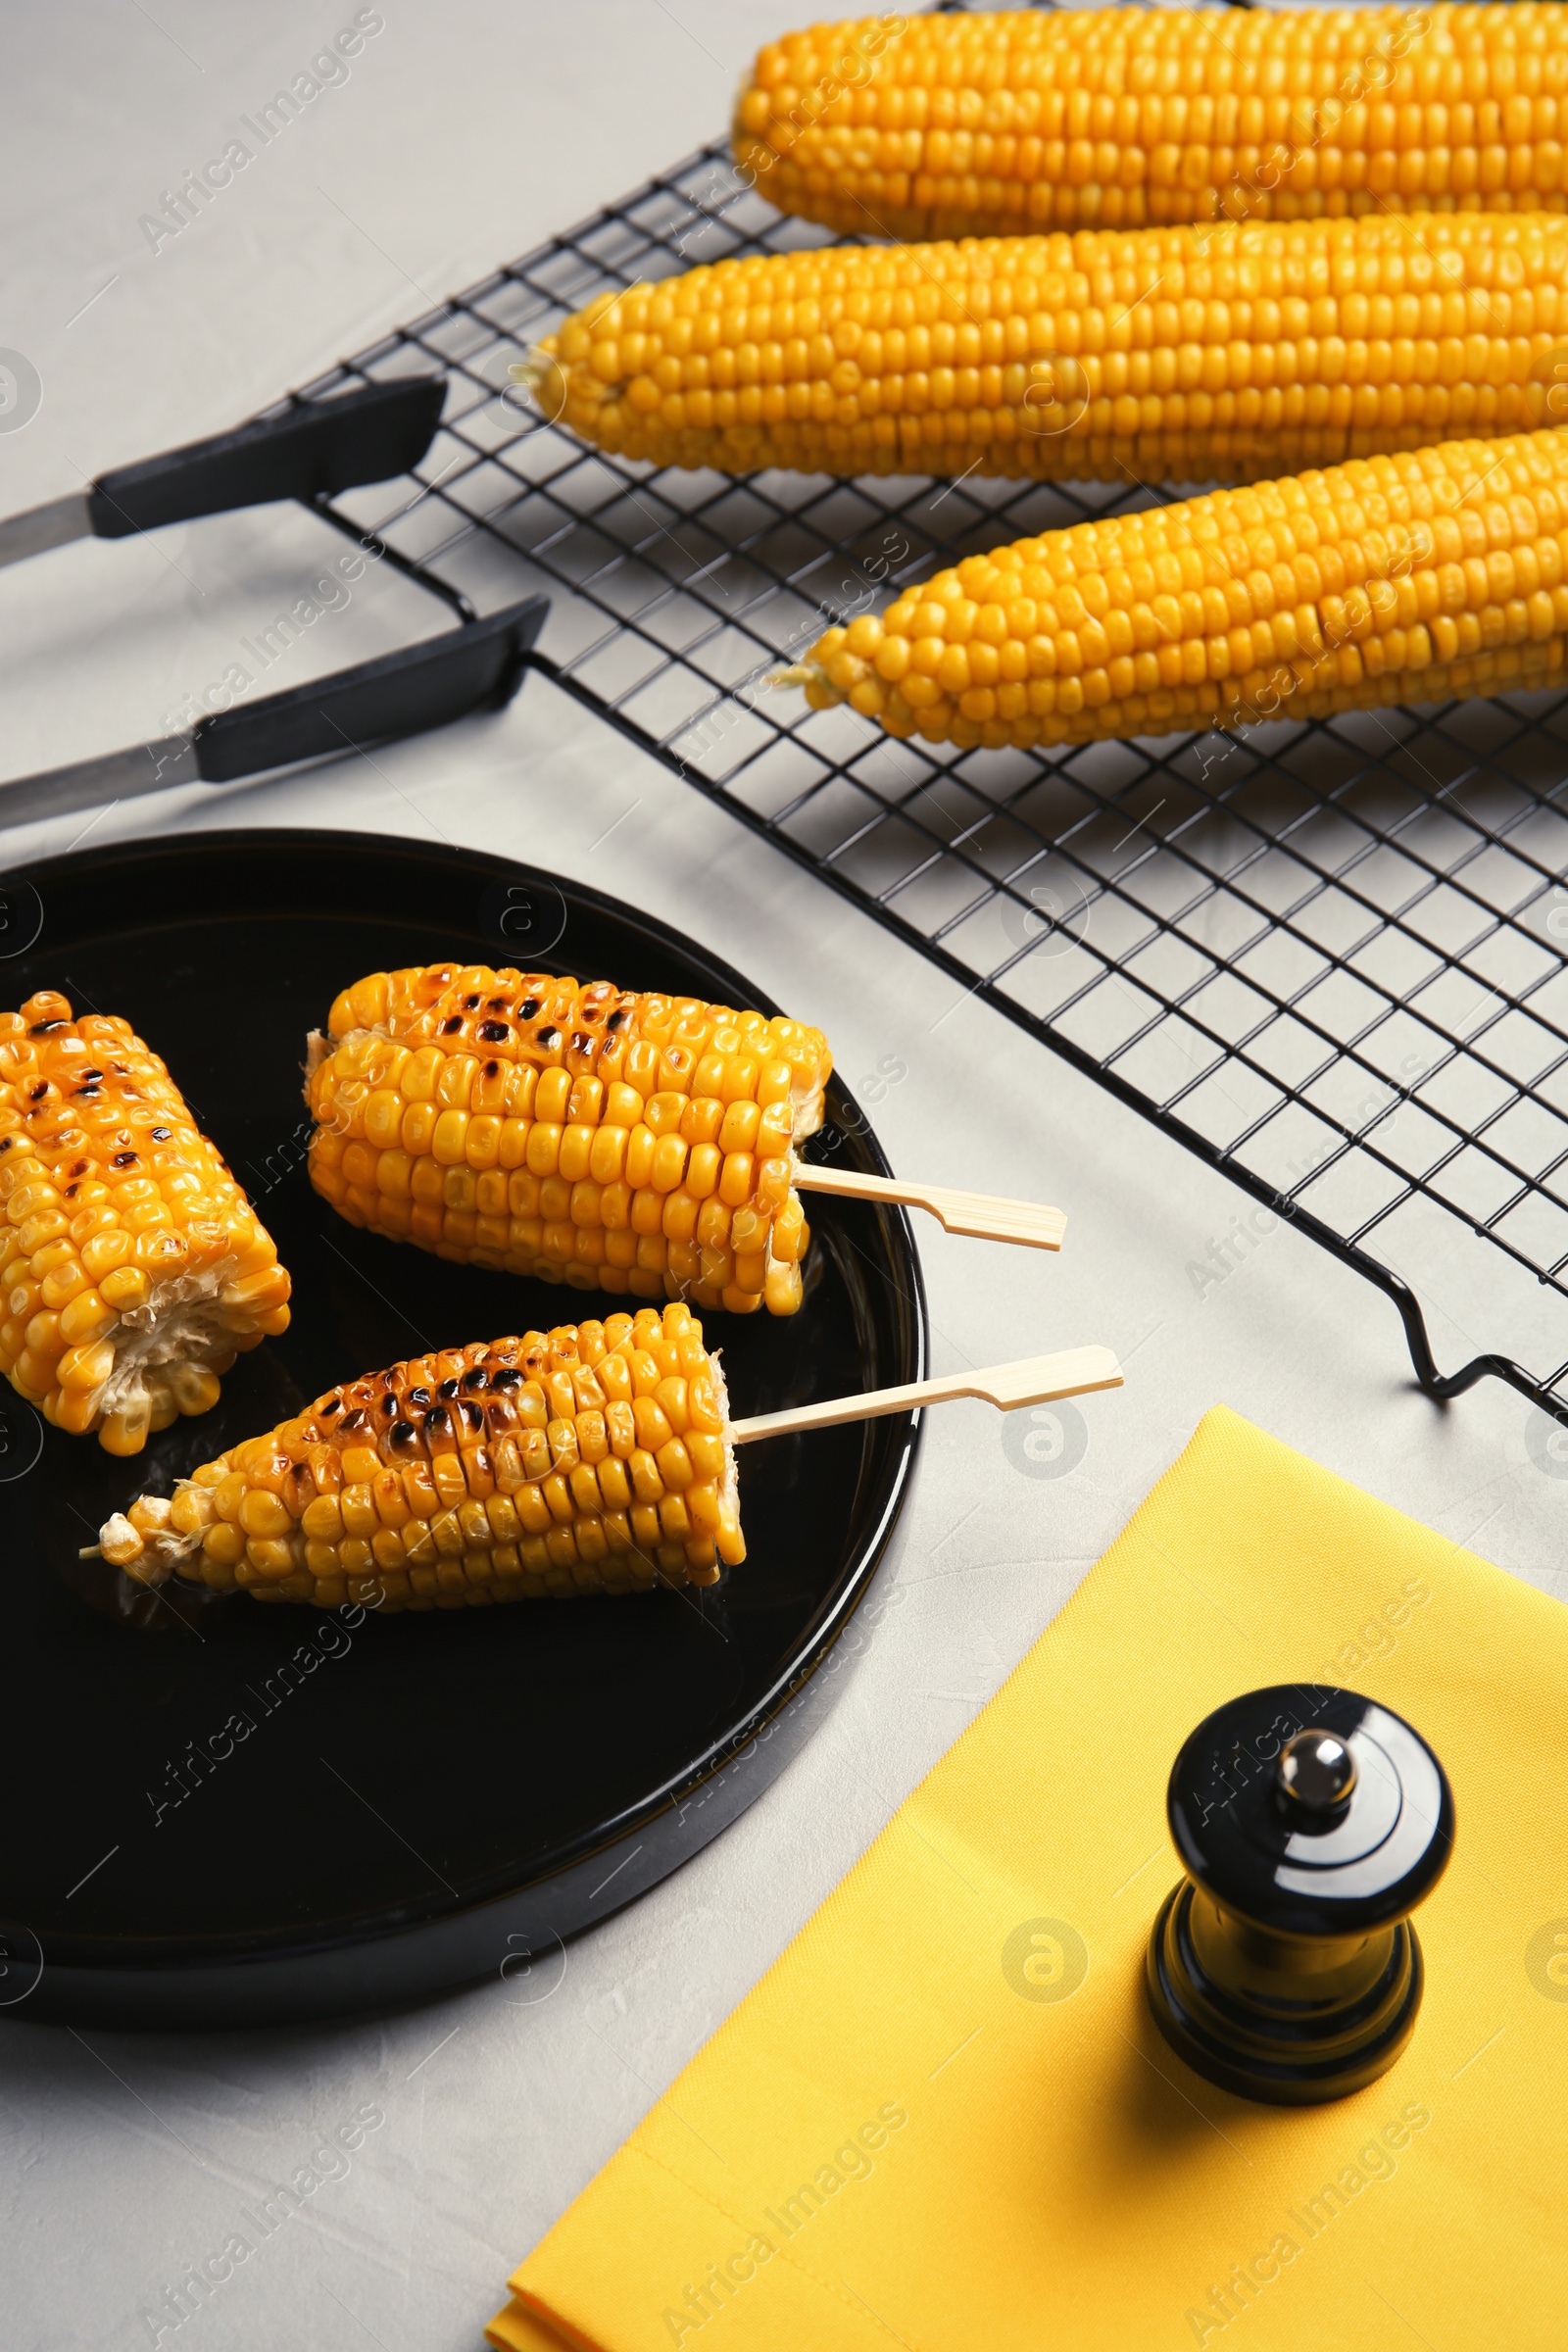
(1413, 579)
(621, 1121)
(342, 1502)
(940, 125)
(1176, 354)
(134, 1268)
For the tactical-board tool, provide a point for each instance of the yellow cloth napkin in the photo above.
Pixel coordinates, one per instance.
(945, 2119)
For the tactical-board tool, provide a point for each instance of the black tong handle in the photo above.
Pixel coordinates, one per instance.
(314, 447)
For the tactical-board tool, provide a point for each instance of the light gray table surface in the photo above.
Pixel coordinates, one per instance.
(464, 134)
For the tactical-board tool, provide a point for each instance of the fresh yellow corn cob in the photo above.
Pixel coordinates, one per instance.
(622, 1143)
(132, 1269)
(1179, 354)
(1398, 579)
(593, 1459)
(963, 124)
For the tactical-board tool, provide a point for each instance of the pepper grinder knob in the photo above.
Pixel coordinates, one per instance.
(1315, 1774)
(1310, 1825)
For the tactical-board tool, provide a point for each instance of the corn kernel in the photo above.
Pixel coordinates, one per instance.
(989, 122)
(415, 1532)
(1227, 355)
(574, 1132)
(79, 1253)
(1393, 519)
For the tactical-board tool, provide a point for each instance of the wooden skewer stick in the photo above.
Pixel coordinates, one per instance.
(1033, 1380)
(979, 1214)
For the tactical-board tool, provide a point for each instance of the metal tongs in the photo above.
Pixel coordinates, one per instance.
(307, 452)
(315, 447)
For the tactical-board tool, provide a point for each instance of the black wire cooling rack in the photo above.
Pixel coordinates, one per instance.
(1327, 958)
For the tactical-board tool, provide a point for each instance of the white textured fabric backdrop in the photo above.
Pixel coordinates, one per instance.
(464, 132)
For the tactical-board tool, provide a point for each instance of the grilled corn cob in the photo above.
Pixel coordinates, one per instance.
(622, 1143)
(593, 1459)
(959, 124)
(132, 1269)
(1179, 354)
(1398, 579)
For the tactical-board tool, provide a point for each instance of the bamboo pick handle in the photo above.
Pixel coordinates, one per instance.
(978, 1214)
(1033, 1380)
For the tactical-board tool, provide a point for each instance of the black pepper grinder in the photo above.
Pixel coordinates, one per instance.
(1310, 1824)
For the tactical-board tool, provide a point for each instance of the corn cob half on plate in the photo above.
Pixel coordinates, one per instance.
(593, 1459)
(951, 124)
(1173, 354)
(1399, 579)
(584, 1134)
(132, 1269)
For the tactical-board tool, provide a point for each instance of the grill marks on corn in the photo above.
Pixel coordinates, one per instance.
(132, 1269)
(1396, 579)
(638, 1145)
(1173, 353)
(1121, 117)
(591, 1458)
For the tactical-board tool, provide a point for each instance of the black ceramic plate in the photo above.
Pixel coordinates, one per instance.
(222, 1813)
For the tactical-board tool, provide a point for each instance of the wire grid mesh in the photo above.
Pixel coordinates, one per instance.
(1327, 957)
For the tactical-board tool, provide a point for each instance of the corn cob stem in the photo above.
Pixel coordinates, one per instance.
(1032, 1380)
(960, 123)
(1394, 579)
(537, 375)
(132, 1269)
(1175, 355)
(979, 1215)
